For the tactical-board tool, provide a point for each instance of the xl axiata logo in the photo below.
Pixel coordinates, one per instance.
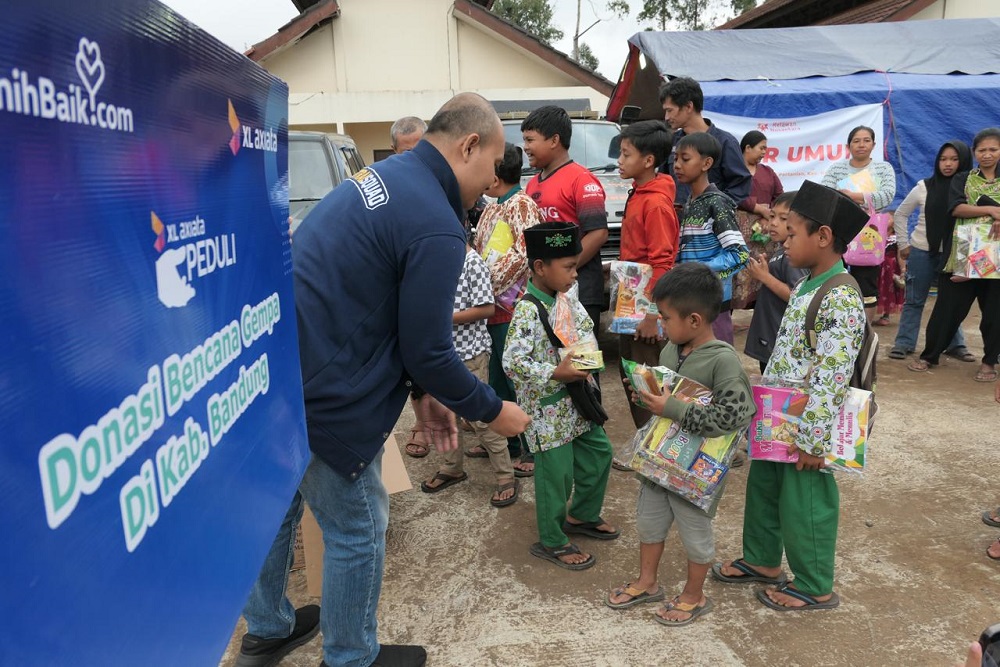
(247, 136)
(41, 97)
(193, 257)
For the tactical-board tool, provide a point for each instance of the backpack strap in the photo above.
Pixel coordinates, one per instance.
(543, 315)
(843, 278)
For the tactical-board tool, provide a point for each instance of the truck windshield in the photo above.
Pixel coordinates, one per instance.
(591, 144)
(310, 174)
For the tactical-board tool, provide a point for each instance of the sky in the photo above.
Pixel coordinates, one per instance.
(240, 24)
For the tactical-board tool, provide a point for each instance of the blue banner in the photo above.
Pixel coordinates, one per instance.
(150, 396)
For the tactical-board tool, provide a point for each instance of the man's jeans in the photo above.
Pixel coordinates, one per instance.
(353, 516)
(921, 272)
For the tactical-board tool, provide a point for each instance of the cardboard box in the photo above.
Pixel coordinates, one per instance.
(394, 477)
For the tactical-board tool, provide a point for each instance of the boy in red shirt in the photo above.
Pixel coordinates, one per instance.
(650, 233)
(567, 192)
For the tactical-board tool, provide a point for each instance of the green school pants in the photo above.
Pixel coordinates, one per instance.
(797, 511)
(580, 468)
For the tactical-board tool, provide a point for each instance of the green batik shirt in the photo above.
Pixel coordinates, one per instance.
(840, 326)
(529, 360)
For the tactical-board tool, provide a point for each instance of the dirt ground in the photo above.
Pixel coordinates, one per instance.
(915, 583)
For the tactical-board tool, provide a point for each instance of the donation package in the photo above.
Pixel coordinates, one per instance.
(976, 254)
(690, 465)
(776, 424)
(631, 295)
(151, 396)
(586, 354)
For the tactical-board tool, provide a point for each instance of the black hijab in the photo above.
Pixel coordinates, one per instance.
(937, 211)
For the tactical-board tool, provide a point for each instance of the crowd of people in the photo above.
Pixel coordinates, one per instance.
(470, 326)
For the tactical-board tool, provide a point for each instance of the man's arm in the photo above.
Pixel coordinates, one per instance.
(736, 178)
(429, 273)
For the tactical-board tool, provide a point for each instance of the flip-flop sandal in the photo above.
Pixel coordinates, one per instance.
(638, 596)
(696, 611)
(412, 443)
(477, 452)
(812, 604)
(552, 555)
(920, 366)
(618, 464)
(750, 575)
(991, 556)
(988, 376)
(881, 322)
(896, 353)
(962, 354)
(589, 529)
(524, 473)
(989, 520)
(516, 485)
(446, 481)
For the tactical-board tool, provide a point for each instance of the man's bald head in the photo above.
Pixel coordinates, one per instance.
(464, 114)
(468, 134)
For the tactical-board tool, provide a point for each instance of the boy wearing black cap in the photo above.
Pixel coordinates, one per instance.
(572, 453)
(796, 508)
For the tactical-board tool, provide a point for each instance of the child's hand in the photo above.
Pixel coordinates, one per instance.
(809, 462)
(566, 373)
(654, 404)
(647, 330)
(757, 268)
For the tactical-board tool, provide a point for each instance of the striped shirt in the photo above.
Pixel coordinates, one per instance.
(710, 235)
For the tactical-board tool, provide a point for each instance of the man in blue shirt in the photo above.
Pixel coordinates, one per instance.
(376, 266)
(682, 101)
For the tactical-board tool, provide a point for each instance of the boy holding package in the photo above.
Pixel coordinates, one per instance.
(650, 232)
(777, 278)
(709, 231)
(795, 508)
(688, 298)
(474, 304)
(572, 454)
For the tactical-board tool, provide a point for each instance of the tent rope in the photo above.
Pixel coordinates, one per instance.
(887, 102)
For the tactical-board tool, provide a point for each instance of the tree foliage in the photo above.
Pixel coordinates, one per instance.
(691, 14)
(587, 57)
(535, 16)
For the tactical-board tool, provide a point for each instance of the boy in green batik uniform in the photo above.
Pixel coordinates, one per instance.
(795, 508)
(572, 454)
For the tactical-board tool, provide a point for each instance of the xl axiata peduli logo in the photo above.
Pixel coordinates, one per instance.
(41, 97)
(194, 256)
(247, 136)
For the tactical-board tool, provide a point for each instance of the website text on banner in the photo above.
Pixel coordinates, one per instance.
(801, 149)
(151, 397)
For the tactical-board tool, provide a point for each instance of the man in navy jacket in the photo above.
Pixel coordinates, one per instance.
(682, 101)
(376, 265)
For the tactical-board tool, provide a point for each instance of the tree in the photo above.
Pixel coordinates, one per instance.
(619, 8)
(535, 16)
(587, 57)
(685, 14)
(740, 6)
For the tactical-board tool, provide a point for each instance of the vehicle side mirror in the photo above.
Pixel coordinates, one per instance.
(615, 148)
(630, 114)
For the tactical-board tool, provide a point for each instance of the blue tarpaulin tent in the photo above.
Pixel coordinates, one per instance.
(931, 94)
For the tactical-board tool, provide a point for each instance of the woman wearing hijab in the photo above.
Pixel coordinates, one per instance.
(922, 250)
(754, 213)
(974, 200)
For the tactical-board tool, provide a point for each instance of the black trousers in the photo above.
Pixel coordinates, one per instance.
(954, 300)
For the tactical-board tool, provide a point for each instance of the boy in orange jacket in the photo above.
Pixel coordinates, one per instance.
(650, 232)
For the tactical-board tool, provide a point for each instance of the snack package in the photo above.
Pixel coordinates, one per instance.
(690, 465)
(976, 254)
(561, 316)
(501, 241)
(587, 356)
(631, 295)
(652, 379)
(775, 427)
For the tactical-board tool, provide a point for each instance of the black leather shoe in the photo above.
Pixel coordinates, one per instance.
(257, 652)
(397, 655)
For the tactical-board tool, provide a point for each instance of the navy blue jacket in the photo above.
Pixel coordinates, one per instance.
(376, 265)
(729, 173)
